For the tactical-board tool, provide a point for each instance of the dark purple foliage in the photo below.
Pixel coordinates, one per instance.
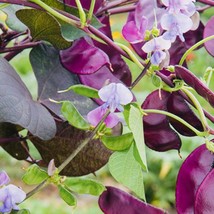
(209, 31)
(192, 179)
(159, 135)
(83, 57)
(178, 106)
(116, 201)
(204, 196)
(194, 82)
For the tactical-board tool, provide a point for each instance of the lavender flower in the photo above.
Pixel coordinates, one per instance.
(177, 20)
(114, 96)
(156, 46)
(10, 195)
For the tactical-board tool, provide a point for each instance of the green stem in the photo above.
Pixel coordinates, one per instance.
(131, 54)
(155, 111)
(82, 144)
(209, 76)
(197, 106)
(194, 47)
(81, 13)
(54, 13)
(4, 5)
(71, 157)
(91, 10)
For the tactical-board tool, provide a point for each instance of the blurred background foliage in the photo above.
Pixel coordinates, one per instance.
(159, 182)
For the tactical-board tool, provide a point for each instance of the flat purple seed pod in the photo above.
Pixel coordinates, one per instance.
(189, 78)
(204, 196)
(209, 31)
(178, 106)
(83, 57)
(116, 201)
(120, 68)
(192, 172)
(158, 134)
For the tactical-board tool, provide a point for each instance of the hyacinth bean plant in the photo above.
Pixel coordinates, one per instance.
(86, 114)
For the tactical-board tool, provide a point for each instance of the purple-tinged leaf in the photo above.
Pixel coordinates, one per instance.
(83, 57)
(204, 196)
(17, 106)
(85, 4)
(91, 158)
(158, 134)
(192, 172)
(178, 106)
(13, 146)
(209, 31)
(116, 201)
(193, 81)
(52, 77)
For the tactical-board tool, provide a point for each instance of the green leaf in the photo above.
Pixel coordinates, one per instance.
(34, 175)
(118, 143)
(12, 21)
(156, 81)
(43, 27)
(73, 116)
(67, 196)
(136, 126)
(68, 31)
(127, 171)
(126, 111)
(24, 211)
(84, 186)
(83, 90)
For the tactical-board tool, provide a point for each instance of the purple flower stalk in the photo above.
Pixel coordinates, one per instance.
(157, 47)
(10, 195)
(114, 96)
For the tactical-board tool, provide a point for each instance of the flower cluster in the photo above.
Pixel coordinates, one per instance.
(177, 19)
(114, 96)
(10, 195)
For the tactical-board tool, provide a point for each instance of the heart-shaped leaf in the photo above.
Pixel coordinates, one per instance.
(84, 186)
(34, 175)
(12, 21)
(52, 77)
(92, 157)
(118, 143)
(48, 30)
(17, 106)
(72, 115)
(127, 171)
(114, 201)
(67, 196)
(11, 141)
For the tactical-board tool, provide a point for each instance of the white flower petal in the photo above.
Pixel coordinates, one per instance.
(124, 94)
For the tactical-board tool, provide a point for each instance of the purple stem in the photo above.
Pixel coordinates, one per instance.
(209, 2)
(107, 40)
(113, 4)
(122, 9)
(20, 47)
(21, 2)
(140, 76)
(9, 139)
